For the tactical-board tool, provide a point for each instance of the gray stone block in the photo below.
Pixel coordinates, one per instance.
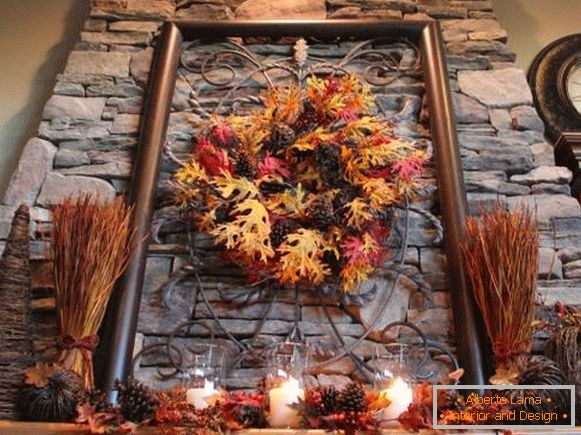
(205, 12)
(66, 158)
(125, 124)
(115, 90)
(526, 118)
(402, 5)
(468, 110)
(140, 65)
(494, 50)
(543, 154)
(60, 130)
(35, 163)
(131, 105)
(123, 38)
(134, 26)
(355, 12)
(496, 88)
(544, 174)
(107, 171)
(547, 207)
(57, 187)
(140, 9)
(59, 106)
(70, 89)
(492, 182)
(500, 119)
(573, 270)
(551, 189)
(106, 63)
(550, 266)
(570, 254)
(443, 11)
(564, 295)
(297, 9)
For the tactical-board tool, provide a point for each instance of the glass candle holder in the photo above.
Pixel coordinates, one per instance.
(285, 382)
(203, 376)
(393, 379)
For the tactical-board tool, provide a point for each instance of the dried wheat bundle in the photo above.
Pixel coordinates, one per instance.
(501, 254)
(90, 250)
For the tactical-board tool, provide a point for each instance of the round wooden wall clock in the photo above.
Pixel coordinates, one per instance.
(555, 80)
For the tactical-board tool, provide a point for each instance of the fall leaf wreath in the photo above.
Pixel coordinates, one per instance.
(299, 190)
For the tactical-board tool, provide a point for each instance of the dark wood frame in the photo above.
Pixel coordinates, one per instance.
(568, 154)
(119, 333)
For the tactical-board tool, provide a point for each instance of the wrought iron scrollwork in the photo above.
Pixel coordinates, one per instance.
(224, 70)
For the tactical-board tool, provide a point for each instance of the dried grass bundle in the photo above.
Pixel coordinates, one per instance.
(501, 254)
(90, 250)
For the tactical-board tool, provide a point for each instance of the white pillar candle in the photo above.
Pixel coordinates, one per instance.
(198, 396)
(287, 393)
(400, 396)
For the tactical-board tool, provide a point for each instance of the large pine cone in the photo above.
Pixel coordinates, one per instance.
(136, 401)
(352, 398)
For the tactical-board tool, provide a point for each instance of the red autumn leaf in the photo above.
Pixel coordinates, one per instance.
(353, 250)
(273, 166)
(212, 158)
(410, 167)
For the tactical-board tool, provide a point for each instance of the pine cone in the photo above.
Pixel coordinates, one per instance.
(281, 136)
(352, 398)
(328, 163)
(308, 119)
(330, 399)
(136, 401)
(280, 229)
(251, 416)
(321, 214)
(245, 166)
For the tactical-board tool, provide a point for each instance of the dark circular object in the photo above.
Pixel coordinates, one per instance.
(549, 77)
(539, 370)
(56, 401)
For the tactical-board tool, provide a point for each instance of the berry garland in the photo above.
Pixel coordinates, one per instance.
(299, 189)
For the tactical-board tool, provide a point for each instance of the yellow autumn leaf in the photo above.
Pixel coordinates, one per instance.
(191, 173)
(249, 232)
(292, 203)
(380, 192)
(301, 258)
(353, 274)
(384, 153)
(235, 188)
(358, 213)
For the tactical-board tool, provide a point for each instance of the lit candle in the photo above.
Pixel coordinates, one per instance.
(287, 393)
(198, 396)
(400, 396)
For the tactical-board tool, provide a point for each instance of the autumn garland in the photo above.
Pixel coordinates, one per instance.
(299, 189)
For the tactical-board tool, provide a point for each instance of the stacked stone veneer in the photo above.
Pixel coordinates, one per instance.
(88, 134)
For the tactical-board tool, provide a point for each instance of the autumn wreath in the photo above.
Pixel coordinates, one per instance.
(298, 189)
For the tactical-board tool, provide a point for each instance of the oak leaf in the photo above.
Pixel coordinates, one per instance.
(358, 213)
(235, 188)
(301, 258)
(292, 203)
(249, 232)
(39, 375)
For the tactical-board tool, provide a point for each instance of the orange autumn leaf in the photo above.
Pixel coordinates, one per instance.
(249, 232)
(39, 375)
(301, 258)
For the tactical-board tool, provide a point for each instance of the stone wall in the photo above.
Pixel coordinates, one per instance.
(87, 137)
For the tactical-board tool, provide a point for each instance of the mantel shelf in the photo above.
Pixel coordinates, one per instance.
(17, 428)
